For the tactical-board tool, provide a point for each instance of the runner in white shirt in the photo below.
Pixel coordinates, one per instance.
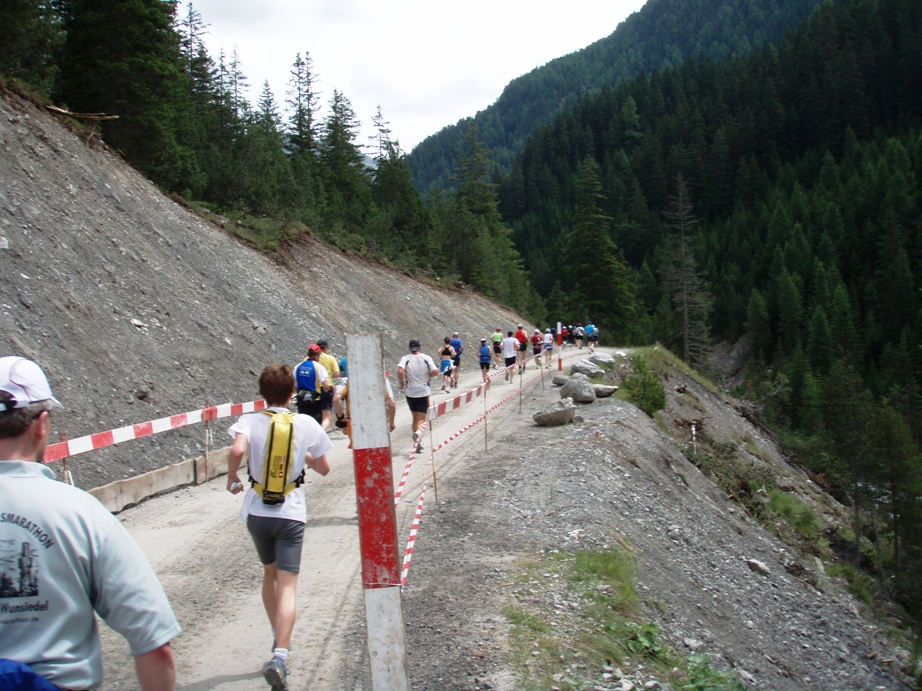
(510, 346)
(277, 529)
(413, 375)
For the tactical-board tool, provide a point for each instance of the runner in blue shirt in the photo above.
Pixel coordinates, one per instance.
(486, 355)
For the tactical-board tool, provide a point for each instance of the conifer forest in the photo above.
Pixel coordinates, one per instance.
(757, 183)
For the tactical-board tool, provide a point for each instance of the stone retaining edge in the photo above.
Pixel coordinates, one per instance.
(121, 494)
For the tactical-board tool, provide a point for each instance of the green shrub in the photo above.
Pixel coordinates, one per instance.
(645, 388)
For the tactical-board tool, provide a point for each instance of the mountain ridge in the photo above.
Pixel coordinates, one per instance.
(650, 39)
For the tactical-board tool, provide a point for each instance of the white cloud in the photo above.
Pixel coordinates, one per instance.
(427, 64)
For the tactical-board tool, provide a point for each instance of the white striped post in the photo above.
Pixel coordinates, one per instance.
(374, 490)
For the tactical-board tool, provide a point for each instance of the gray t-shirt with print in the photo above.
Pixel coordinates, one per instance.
(63, 556)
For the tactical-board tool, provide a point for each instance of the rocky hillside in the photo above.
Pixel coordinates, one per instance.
(716, 579)
(138, 309)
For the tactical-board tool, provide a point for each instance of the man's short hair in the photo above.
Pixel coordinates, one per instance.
(277, 384)
(15, 422)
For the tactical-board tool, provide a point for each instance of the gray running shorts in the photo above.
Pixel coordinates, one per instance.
(278, 541)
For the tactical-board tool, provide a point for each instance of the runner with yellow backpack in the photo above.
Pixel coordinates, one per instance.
(281, 445)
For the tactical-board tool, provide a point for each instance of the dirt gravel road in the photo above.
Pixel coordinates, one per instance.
(207, 564)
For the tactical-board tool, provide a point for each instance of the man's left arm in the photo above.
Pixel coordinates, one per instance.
(157, 669)
(131, 600)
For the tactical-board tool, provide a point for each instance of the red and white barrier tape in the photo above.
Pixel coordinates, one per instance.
(452, 437)
(414, 529)
(406, 471)
(440, 409)
(502, 370)
(66, 449)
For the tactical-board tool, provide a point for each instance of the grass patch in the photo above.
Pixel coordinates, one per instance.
(755, 489)
(703, 677)
(597, 629)
(664, 360)
(857, 583)
(800, 516)
(750, 444)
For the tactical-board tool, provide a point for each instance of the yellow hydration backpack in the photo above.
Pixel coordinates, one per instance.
(280, 444)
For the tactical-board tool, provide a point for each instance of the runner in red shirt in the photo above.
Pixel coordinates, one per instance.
(537, 343)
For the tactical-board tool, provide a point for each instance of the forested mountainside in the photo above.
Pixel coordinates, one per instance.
(661, 35)
(774, 198)
(139, 75)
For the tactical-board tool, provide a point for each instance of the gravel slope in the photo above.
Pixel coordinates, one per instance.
(616, 478)
(137, 309)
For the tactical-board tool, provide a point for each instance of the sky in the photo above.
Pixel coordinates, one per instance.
(427, 64)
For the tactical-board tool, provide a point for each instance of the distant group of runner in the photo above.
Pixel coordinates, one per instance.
(573, 336)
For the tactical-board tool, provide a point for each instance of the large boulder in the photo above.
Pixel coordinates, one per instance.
(560, 379)
(590, 369)
(579, 376)
(579, 391)
(602, 359)
(560, 413)
(603, 391)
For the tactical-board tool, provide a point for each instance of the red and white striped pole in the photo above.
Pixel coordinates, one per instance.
(559, 347)
(374, 490)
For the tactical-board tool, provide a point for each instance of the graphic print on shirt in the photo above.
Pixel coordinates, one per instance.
(18, 569)
(21, 556)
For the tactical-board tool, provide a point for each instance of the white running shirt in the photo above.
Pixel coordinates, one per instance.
(416, 369)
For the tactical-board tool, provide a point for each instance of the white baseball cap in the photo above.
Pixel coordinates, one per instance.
(25, 382)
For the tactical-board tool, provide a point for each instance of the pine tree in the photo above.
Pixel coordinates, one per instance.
(303, 103)
(268, 186)
(790, 314)
(394, 193)
(345, 175)
(124, 59)
(600, 286)
(758, 325)
(897, 456)
(381, 139)
(681, 278)
(191, 29)
(30, 35)
(819, 342)
(476, 189)
(847, 415)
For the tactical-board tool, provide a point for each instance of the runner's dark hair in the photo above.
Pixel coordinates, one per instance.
(277, 384)
(16, 421)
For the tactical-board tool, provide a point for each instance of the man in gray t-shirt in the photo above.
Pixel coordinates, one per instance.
(63, 556)
(413, 374)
